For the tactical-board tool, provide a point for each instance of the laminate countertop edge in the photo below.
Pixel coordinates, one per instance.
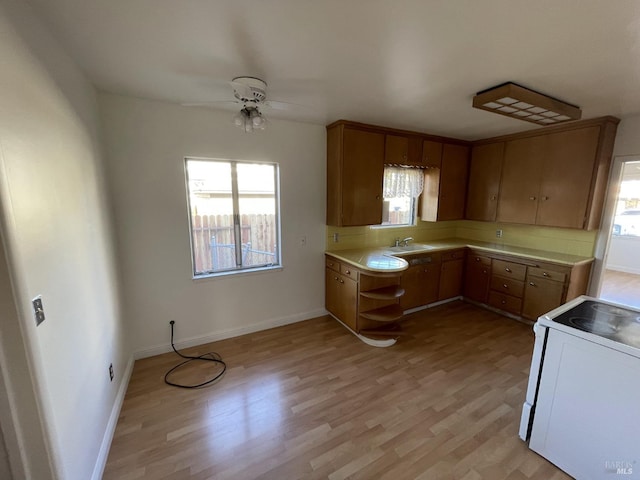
(383, 260)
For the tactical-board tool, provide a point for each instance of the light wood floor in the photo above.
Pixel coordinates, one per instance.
(621, 287)
(310, 401)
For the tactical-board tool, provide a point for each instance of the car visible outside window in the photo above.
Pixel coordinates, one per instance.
(627, 223)
(233, 216)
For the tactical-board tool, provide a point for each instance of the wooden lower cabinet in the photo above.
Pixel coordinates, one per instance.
(477, 275)
(367, 302)
(421, 281)
(451, 274)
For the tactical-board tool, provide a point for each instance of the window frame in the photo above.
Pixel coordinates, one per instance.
(235, 196)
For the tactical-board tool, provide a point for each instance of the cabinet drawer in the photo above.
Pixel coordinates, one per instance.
(349, 271)
(516, 271)
(505, 302)
(452, 255)
(507, 285)
(475, 259)
(549, 274)
(332, 264)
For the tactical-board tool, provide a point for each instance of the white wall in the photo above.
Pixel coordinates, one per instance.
(146, 145)
(624, 254)
(58, 240)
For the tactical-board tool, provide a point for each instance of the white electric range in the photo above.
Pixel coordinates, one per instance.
(582, 409)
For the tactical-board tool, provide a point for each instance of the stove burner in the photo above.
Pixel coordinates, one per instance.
(592, 325)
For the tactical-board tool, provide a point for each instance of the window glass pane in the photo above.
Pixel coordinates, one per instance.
(257, 207)
(397, 211)
(211, 202)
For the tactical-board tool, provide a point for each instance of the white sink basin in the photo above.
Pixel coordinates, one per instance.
(412, 247)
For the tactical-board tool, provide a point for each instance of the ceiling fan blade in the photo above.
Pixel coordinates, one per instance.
(212, 104)
(276, 105)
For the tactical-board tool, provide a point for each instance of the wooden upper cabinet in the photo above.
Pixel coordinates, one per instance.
(355, 163)
(521, 176)
(567, 174)
(485, 169)
(431, 154)
(557, 178)
(443, 197)
(403, 149)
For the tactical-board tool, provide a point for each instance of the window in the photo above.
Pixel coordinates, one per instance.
(401, 188)
(234, 215)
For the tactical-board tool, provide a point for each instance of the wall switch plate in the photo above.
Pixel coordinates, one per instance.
(111, 372)
(38, 310)
(499, 233)
(303, 241)
(336, 237)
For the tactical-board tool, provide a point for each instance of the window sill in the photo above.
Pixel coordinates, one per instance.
(233, 273)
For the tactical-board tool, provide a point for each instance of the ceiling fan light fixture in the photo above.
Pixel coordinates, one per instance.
(516, 101)
(249, 118)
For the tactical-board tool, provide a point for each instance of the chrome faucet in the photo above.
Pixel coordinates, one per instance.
(406, 241)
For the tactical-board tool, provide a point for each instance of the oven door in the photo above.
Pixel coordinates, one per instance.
(528, 407)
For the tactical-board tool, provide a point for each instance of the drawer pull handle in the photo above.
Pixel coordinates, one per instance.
(507, 269)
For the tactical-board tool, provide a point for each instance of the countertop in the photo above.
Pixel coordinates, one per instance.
(383, 259)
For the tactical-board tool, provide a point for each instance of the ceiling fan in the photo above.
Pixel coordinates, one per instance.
(251, 95)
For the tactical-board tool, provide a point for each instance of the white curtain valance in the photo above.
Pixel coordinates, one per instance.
(402, 182)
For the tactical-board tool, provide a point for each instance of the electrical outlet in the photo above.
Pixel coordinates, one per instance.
(38, 309)
(499, 233)
(111, 372)
(336, 237)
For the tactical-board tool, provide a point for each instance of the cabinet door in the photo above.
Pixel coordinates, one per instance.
(410, 281)
(431, 154)
(430, 283)
(521, 175)
(396, 149)
(332, 292)
(477, 277)
(485, 170)
(348, 302)
(540, 296)
(453, 182)
(451, 279)
(566, 181)
(362, 170)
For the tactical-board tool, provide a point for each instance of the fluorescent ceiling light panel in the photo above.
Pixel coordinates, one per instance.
(523, 102)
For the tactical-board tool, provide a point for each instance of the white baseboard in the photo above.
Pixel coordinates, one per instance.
(101, 461)
(230, 333)
(623, 268)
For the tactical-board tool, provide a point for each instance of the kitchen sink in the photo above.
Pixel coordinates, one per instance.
(412, 247)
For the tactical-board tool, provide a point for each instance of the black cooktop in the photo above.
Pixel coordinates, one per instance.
(614, 322)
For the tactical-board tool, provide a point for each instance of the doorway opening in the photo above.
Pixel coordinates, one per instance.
(620, 278)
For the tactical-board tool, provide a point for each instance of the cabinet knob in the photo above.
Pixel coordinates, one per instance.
(493, 197)
(404, 156)
(348, 272)
(477, 259)
(377, 197)
(503, 302)
(336, 278)
(532, 198)
(545, 274)
(484, 271)
(505, 286)
(545, 198)
(341, 281)
(507, 269)
(532, 284)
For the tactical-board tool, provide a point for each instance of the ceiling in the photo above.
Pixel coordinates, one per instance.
(411, 64)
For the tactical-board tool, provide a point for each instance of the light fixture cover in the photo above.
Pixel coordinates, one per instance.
(516, 101)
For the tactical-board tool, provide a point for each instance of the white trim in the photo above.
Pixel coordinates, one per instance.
(103, 454)
(622, 268)
(601, 249)
(230, 333)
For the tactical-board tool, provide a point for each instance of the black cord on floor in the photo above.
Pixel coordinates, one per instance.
(206, 357)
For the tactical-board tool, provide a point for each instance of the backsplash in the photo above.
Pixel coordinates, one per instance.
(562, 240)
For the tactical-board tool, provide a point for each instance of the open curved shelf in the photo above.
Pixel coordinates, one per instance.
(390, 313)
(384, 293)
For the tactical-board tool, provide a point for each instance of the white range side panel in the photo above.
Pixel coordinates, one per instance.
(587, 419)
